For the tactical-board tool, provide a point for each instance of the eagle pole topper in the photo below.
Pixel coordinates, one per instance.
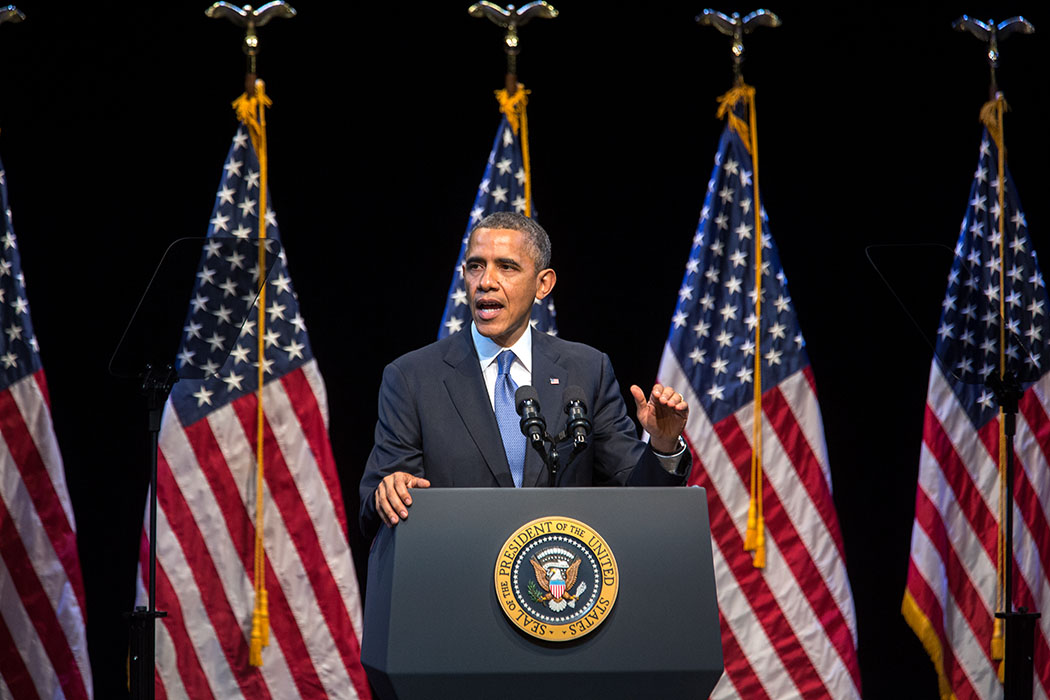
(990, 33)
(510, 18)
(250, 18)
(736, 27)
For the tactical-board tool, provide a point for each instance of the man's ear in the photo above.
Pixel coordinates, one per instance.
(545, 282)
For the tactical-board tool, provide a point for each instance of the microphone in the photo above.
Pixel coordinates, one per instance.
(527, 404)
(579, 425)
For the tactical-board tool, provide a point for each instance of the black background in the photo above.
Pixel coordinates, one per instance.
(116, 120)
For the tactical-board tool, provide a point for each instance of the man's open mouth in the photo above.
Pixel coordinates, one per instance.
(488, 308)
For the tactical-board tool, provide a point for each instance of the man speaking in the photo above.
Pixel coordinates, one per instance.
(446, 411)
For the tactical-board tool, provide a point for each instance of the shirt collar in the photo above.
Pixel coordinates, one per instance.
(488, 349)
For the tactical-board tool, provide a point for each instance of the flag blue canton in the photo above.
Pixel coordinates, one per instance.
(502, 188)
(227, 281)
(713, 327)
(19, 351)
(968, 335)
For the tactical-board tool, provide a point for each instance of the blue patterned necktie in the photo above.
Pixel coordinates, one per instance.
(507, 417)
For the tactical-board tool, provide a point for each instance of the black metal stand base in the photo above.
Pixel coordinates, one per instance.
(1020, 653)
(141, 667)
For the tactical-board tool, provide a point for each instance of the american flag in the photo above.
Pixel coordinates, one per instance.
(43, 645)
(502, 189)
(951, 593)
(788, 629)
(206, 487)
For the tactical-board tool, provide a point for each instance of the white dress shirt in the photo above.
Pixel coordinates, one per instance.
(488, 350)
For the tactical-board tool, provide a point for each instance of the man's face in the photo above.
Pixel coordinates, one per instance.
(502, 283)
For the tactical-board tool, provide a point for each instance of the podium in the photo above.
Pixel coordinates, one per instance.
(434, 626)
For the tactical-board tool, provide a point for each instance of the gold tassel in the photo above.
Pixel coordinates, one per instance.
(751, 535)
(513, 106)
(990, 118)
(726, 102)
(998, 643)
(759, 562)
(754, 537)
(251, 111)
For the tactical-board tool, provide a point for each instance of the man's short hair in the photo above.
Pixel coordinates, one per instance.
(534, 234)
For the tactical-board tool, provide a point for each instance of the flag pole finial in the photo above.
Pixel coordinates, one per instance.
(510, 18)
(250, 18)
(991, 33)
(10, 13)
(736, 27)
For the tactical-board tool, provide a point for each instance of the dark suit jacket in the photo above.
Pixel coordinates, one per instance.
(436, 421)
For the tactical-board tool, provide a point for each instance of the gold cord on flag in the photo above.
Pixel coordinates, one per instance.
(252, 113)
(992, 118)
(513, 107)
(755, 536)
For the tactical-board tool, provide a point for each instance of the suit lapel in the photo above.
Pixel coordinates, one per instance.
(545, 368)
(466, 388)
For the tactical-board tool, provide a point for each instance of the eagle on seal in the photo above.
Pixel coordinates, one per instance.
(551, 581)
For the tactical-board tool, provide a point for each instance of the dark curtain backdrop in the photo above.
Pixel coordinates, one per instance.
(116, 120)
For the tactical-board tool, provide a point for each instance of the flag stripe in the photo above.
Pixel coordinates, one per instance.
(299, 395)
(740, 606)
(303, 404)
(920, 590)
(41, 383)
(190, 672)
(816, 540)
(971, 655)
(194, 546)
(287, 498)
(200, 440)
(807, 470)
(737, 670)
(38, 482)
(14, 674)
(982, 521)
(965, 595)
(764, 602)
(804, 576)
(749, 580)
(766, 605)
(38, 606)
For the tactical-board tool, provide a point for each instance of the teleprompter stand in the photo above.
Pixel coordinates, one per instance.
(145, 351)
(1020, 624)
(434, 628)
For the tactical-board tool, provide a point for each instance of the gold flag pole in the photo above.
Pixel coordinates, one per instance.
(736, 26)
(513, 97)
(1017, 674)
(251, 111)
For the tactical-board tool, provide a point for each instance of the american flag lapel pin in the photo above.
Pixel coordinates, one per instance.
(555, 380)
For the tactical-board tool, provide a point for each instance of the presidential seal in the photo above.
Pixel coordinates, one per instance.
(556, 579)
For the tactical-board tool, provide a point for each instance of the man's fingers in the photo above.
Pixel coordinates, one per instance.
(401, 489)
(386, 511)
(639, 396)
(393, 496)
